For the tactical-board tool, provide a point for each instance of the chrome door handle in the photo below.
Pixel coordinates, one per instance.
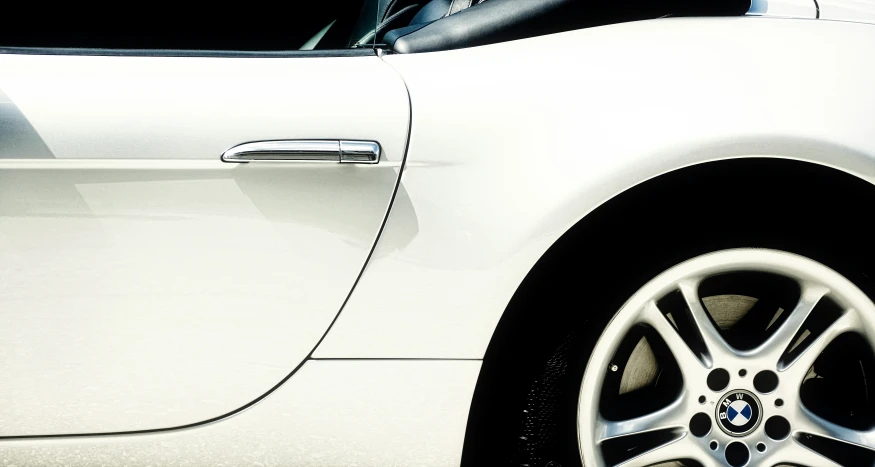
(296, 150)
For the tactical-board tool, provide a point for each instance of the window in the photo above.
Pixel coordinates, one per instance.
(244, 26)
(453, 24)
(402, 26)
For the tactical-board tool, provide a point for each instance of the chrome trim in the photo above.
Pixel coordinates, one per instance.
(359, 152)
(285, 151)
(349, 152)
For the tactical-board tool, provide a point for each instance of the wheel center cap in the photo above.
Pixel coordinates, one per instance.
(739, 412)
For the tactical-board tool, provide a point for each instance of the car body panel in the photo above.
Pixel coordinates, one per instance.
(145, 284)
(511, 145)
(331, 413)
(549, 128)
(848, 10)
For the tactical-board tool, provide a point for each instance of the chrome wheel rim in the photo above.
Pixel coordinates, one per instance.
(786, 352)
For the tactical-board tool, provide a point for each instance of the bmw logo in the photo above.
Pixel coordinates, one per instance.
(738, 412)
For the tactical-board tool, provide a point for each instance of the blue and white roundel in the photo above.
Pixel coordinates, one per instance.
(739, 413)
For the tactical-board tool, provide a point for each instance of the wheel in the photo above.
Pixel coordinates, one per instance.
(734, 358)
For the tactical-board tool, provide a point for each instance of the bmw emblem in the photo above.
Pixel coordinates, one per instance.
(738, 412)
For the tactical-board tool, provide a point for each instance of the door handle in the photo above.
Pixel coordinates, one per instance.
(296, 150)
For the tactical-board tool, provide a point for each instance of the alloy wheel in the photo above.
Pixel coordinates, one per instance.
(730, 389)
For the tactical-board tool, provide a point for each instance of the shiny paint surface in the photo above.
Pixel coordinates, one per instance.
(145, 284)
(544, 131)
(331, 413)
(848, 10)
(562, 123)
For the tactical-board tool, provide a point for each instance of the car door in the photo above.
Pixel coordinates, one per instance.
(145, 283)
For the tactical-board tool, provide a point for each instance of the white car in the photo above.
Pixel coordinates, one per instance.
(482, 233)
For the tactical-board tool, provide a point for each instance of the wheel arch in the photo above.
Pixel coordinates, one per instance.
(798, 172)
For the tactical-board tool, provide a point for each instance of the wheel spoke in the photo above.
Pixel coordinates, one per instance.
(783, 337)
(681, 448)
(714, 342)
(813, 424)
(687, 360)
(794, 453)
(751, 282)
(669, 417)
(798, 367)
